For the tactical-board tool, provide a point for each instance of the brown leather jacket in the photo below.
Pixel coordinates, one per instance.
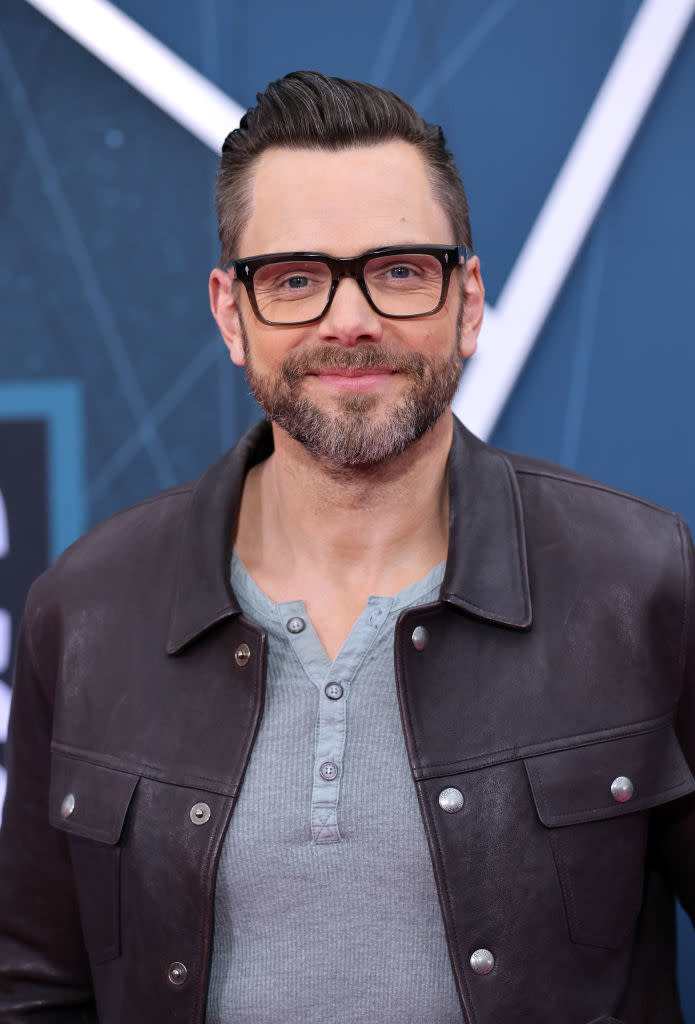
(555, 662)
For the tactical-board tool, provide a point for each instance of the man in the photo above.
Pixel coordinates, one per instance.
(371, 723)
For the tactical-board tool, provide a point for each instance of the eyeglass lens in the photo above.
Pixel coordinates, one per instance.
(398, 285)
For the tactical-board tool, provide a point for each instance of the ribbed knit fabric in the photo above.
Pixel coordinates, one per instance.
(326, 907)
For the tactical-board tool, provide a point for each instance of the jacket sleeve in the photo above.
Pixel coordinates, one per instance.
(674, 824)
(44, 970)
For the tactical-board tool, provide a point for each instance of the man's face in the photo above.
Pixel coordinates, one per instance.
(355, 388)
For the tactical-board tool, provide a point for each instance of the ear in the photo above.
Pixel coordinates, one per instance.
(224, 306)
(473, 307)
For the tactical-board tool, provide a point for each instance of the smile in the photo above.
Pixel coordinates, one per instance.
(350, 379)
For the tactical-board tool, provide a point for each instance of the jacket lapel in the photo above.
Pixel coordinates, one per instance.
(203, 595)
(486, 571)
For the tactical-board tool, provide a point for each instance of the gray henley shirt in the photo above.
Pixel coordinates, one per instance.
(326, 908)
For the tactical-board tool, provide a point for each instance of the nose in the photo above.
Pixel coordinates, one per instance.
(350, 319)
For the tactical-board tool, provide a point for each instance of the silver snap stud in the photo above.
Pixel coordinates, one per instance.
(328, 771)
(482, 961)
(419, 638)
(622, 789)
(333, 691)
(200, 813)
(242, 654)
(67, 806)
(451, 800)
(177, 973)
(295, 624)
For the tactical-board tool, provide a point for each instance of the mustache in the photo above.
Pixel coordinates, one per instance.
(361, 357)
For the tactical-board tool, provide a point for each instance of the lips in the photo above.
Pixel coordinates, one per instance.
(352, 372)
(351, 379)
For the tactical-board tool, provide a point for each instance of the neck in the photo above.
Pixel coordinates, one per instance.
(371, 529)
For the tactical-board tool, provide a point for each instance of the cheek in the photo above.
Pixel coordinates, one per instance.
(267, 348)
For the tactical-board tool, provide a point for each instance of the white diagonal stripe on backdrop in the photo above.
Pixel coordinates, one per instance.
(148, 65)
(569, 211)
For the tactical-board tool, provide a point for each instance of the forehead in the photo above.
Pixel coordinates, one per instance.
(343, 202)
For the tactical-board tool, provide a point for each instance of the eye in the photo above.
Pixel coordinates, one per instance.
(400, 273)
(296, 282)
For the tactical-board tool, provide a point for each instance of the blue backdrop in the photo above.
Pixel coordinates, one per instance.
(107, 236)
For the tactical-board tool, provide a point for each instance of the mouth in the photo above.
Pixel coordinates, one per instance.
(353, 379)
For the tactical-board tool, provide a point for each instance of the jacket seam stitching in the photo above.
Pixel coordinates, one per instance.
(619, 809)
(143, 770)
(687, 598)
(595, 485)
(468, 1008)
(537, 779)
(507, 754)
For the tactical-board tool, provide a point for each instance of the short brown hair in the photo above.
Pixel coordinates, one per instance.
(307, 110)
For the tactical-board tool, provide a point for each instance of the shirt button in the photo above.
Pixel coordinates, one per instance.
(200, 813)
(295, 624)
(333, 691)
(482, 961)
(328, 771)
(451, 800)
(622, 789)
(177, 973)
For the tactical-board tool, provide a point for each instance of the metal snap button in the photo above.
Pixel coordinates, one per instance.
(333, 691)
(200, 813)
(419, 638)
(622, 789)
(482, 961)
(328, 771)
(451, 800)
(242, 654)
(177, 973)
(295, 624)
(67, 806)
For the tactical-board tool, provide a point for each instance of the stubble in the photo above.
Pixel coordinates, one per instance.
(360, 430)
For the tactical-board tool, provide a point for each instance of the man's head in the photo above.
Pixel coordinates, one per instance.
(359, 369)
(307, 110)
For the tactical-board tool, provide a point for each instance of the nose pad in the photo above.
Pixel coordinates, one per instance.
(342, 296)
(350, 316)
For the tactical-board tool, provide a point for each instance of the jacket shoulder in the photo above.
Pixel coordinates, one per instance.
(128, 533)
(114, 557)
(610, 533)
(534, 474)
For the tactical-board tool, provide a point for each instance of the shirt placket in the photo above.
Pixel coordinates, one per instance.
(333, 680)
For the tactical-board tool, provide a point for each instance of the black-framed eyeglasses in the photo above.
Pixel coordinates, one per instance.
(399, 281)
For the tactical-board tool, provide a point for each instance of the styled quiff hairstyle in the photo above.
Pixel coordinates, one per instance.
(307, 110)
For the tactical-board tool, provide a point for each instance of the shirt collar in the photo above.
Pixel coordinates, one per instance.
(486, 572)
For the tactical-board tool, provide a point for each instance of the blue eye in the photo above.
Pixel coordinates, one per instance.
(297, 282)
(400, 273)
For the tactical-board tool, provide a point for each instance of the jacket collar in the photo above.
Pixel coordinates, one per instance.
(486, 569)
(486, 572)
(203, 594)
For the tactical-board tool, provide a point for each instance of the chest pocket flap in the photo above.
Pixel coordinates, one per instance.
(610, 778)
(598, 793)
(88, 800)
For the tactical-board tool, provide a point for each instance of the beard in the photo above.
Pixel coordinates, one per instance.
(364, 429)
